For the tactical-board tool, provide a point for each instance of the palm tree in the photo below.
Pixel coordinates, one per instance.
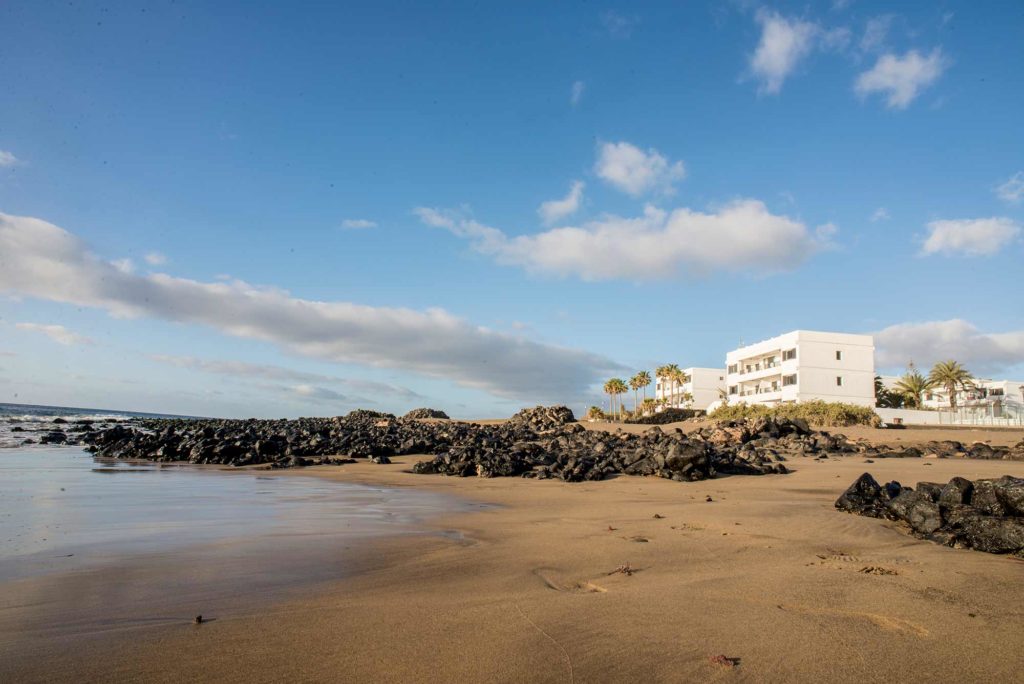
(951, 375)
(645, 379)
(682, 378)
(672, 373)
(613, 388)
(912, 385)
(609, 389)
(662, 373)
(619, 387)
(635, 383)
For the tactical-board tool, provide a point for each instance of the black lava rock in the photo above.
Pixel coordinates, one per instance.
(986, 515)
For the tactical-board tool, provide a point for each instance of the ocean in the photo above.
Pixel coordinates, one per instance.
(218, 531)
(21, 425)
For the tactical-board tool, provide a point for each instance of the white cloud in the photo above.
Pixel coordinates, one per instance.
(39, 259)
(618, 25)
(124, 265)
(556, 210)
(1012, 190)
(322, 394)
(634, 171)
(741, 237)
(251, 371)
(901, 78)
(356, 224)
(880, 214)
(876, 30)
(155, 259)
(929, 342)
(784, 42)
(7, 159)
(576, 92)
(970, 237)
(57, 333)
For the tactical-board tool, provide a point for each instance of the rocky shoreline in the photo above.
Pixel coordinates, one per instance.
(543, 442)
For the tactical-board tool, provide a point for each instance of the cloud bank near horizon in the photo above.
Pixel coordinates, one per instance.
(928, 342)
(39, 259)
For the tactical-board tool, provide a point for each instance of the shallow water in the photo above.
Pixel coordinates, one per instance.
(61, 509)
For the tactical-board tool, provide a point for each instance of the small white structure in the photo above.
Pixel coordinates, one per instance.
(699, 392)
(801, 366)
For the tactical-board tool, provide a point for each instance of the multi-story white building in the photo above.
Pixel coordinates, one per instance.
(803, 365)
(700, 391)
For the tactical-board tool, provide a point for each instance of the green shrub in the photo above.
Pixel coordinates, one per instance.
(817, 412)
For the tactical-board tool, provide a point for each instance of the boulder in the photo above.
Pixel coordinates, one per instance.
(1010, 493)
(984, 499)
(957, 491)
(864, 497)
(930, 489)
(917, 510)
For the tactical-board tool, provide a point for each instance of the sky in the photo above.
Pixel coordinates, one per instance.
(283, 209)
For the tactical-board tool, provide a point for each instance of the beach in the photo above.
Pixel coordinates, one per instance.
(531, 588)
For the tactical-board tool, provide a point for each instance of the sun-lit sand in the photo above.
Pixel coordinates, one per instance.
(767, 573)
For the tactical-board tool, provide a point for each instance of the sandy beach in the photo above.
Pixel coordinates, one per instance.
(767, 573)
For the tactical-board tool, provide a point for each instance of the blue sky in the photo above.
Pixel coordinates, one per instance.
(260, 209)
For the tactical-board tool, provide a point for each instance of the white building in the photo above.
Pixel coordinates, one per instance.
(988, 398)
(803, 365)
(699, 392)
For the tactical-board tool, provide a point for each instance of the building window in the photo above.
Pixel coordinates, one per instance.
(788, 380)
(839, 381)
(839, 355)
(995, 392)
(789, 354)
(732, 389)
(732, 369)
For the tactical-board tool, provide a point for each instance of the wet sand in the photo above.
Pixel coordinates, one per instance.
(768, 573)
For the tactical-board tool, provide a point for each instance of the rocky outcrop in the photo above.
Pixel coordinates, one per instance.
(543, 417)
(542, 442)
(987, 515)
(424, 413)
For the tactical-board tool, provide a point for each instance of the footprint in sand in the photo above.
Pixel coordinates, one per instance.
(547, 576)
(839, 556)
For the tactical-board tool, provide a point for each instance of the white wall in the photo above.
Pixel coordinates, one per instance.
(914, 417)
(705, 383)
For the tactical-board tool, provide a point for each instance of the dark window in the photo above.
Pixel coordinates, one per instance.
(732, 389)
(732, 369)
(839, 355)
(788, 380)
(839, 381)
(789, 354)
